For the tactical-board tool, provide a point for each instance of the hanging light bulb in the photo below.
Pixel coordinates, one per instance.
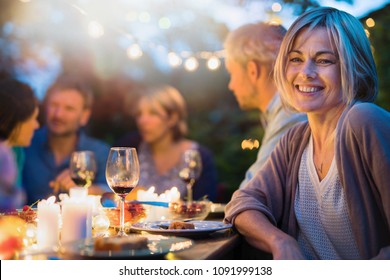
(134, 51)
(95, 29)
(213, 63)
(191, 64)
(174, 60)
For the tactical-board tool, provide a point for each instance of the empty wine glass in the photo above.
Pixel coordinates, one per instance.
(122, 174)
(82, 168)
(190, 169)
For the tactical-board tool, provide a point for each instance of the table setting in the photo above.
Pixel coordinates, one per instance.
(137, 226)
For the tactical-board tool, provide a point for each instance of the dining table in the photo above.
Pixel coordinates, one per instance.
(214, 245)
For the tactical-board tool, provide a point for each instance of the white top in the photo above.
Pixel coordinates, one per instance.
(325, 230)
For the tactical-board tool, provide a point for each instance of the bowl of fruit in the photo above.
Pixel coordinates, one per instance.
(195, 210)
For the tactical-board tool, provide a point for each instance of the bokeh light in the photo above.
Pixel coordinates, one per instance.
(191, 64)
(95, 29)
(174, 60)
(213, 63)
(370, 22)
(134, 51)
(276, 7)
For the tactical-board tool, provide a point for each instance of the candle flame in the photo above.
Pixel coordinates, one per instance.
(51, 200)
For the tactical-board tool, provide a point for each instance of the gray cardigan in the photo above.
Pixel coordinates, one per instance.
(363, 162)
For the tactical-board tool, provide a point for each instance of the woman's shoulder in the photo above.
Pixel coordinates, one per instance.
(366, 113)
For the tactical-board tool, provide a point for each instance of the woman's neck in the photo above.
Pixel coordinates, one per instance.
(163, 145)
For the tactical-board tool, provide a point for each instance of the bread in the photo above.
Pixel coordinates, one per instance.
(121, 243)
(181, 225)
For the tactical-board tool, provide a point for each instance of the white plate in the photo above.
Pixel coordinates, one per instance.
(157, 246)
(161, 227)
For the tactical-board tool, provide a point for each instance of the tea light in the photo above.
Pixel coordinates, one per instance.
(48, 223)
(154, 212)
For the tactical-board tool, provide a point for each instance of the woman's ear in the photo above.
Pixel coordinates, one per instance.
(173, 119)
(253, 70)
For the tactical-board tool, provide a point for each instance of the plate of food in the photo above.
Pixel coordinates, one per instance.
(133, 246)
(180, 228)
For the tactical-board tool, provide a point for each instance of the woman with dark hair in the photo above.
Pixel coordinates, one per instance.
(324, 192)
(18, 118)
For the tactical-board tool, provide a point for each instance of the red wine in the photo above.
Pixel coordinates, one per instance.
(79, 181)
(122, 189)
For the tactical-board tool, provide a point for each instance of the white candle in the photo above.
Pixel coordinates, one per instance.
(48, 223)
(76, 220)
(78, 193)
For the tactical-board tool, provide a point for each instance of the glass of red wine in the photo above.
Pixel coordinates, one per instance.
(122, 174)
(190, 170)
(82, 168)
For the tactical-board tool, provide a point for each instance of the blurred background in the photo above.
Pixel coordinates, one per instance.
(119, 46)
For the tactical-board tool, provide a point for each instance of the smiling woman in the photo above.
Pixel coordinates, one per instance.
(323, 193)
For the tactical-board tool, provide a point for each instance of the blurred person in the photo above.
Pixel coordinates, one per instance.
(10, 196)
(324, 193)
(251, 51)
(67, 108)
(18, 121)
(161, 121)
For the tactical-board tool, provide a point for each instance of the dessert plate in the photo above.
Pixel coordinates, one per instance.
(161, 227)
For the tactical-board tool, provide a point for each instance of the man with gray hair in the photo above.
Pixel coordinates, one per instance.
(251, 51)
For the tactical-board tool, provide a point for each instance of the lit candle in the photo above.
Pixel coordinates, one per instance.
(48, 223)
(154, 212)
(76, 217)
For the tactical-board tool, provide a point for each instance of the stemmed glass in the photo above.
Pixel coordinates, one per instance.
(82, 168)
(122, 174)
(190, 169)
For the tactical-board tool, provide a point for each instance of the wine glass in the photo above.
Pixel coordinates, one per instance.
(190, 169)
(122, 174)
(82, 168)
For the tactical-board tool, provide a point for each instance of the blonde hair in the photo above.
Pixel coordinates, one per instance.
(359, 79)
(171, 100)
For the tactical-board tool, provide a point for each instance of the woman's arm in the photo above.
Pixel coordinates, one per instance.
(262, 234)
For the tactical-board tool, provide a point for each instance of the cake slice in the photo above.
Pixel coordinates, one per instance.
(181, 225)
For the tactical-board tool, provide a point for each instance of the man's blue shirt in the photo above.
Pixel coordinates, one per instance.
(40, 167)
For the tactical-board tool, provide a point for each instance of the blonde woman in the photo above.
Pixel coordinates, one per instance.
(324, 193)
(161, 120)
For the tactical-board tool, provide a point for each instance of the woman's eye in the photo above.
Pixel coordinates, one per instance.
(295, 59)
(324, 61)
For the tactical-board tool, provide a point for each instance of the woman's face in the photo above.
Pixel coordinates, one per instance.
(153, 121)
(313, 73)
(23, 133)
